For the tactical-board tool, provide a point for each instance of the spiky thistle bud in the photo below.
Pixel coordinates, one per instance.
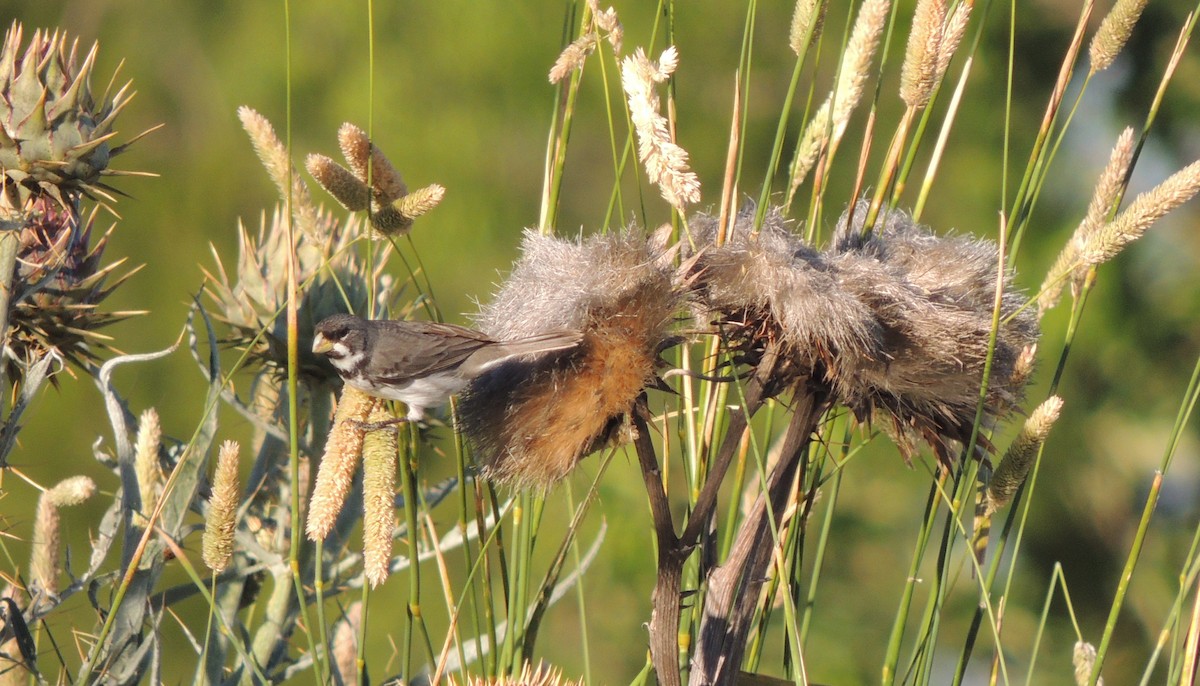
(55, 136)
(530, 675)
(379, 496)
(221, 522)
(336, 473)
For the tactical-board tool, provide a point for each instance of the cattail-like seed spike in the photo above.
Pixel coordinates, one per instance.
(145, 461)
(956, 28)
(1114, 32)
(1084, 659)
(1108, 189)
(1146, 209)
(830, 121)
(274, 157)
(340, 182)
(345, 643)
(1018, 459)
(607, 21)
(336, 472)
(420, 201)
(219, 526)
(918, 74)
(379, 497)
(356, 148)
(45, 564)
(809, 15)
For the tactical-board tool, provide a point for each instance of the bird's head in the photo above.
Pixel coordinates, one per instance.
(340, 337)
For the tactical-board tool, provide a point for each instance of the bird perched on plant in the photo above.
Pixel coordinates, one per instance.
(421, 364)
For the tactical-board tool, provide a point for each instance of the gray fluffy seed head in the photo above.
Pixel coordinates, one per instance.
(933, 297)
(557, 283)
(775, 271)
(897, 320)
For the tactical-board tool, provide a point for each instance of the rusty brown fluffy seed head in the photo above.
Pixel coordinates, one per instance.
(532, 421)
(897, 322)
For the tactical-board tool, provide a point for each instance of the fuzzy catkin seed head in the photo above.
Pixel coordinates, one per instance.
(336, 472)
(221, 522)
(379, 496)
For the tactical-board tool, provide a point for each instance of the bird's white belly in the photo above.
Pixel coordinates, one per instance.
(418, 394)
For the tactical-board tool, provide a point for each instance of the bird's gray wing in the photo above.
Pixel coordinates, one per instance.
(411, 350)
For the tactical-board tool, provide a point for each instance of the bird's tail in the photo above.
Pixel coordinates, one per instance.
(533, 345)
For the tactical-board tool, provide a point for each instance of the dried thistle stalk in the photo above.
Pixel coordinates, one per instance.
(665, 161)
(1010, 473)
(219, 525)
(336, 472)
(379, 496)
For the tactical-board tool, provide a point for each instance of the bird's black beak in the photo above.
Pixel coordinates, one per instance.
(321, 345)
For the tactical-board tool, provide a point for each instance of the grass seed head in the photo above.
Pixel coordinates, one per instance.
(221, 522)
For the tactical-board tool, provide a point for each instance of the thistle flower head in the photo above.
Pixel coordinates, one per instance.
(933, 298)
(532, 421)
(58, 287)
(333, 279)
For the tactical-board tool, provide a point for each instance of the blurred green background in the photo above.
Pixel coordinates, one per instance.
(461, 99)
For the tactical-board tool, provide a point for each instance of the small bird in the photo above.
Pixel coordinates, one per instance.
(419, 363)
